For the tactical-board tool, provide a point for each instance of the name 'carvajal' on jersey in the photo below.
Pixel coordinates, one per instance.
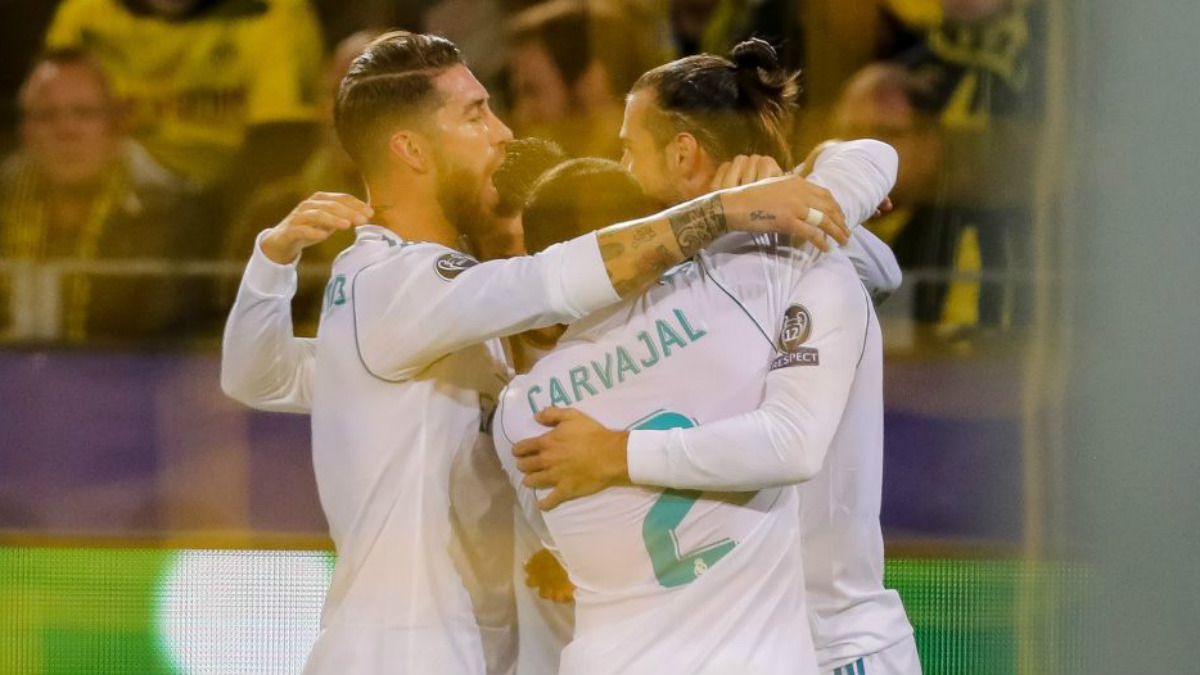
(674, 332)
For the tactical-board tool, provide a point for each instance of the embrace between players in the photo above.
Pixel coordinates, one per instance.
(698, 438)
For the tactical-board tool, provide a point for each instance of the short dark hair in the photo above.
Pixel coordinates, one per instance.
(525, 161)
(581, 196)
(741, 105)
(576, 33)
(391, 82)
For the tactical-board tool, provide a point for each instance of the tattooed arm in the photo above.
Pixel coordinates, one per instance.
(419, 302)
(638, 252)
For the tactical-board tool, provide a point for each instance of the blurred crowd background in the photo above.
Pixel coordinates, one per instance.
(1041, 383)
(146, 142)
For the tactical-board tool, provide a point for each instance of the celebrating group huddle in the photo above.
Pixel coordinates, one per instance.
(698, 439)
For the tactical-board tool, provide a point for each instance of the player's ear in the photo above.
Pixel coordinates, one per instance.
(680, 153)
(689, 162)
(412, 150)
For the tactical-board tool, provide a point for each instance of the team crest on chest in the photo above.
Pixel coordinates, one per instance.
(451, 265)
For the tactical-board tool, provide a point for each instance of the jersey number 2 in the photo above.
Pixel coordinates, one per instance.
(673, 567)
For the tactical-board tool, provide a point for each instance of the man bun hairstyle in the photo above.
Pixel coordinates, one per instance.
(755, 54)
(740, 105)
(389, 83)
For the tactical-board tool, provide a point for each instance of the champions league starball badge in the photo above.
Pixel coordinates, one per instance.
(796, 328)
(795, 331)
(451, 265)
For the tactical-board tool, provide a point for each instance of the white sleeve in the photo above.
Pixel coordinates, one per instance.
(426, 301)
(860, 174)
(527, 500)
(784, 441)
(875, 263)
(263, 365)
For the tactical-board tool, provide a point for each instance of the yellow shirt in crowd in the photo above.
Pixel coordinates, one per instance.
(193, 87)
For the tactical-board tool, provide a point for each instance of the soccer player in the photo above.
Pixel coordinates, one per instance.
(406, 371)
(684, 581)
(673, 130)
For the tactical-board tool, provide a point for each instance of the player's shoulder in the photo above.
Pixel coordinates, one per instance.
(377, 251)
(835, 267)
(742, 250)
(830, 282)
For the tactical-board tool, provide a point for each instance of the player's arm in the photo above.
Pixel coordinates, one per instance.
(859, 174)
(428, 301)
(543, 570)
(782, 442)
(526, 499)
(855, 171)
(866, 165)
(263, 365)
(637, 253)
(875, 263)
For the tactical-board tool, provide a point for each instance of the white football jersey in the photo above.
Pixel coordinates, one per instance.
(852, 614)
(683, 581)
(404, 377)
(412, 450)
(822, 328)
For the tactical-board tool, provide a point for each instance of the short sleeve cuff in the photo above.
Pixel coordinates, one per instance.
(646, 454)
(266, 277)
(585, 283)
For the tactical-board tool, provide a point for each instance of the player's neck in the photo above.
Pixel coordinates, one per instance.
(412, 213)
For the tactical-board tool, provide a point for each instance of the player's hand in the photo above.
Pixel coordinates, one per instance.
(576, 458)
(885, 208)
(543, 572)
(787, 205)
(743, 170)
(312, 222)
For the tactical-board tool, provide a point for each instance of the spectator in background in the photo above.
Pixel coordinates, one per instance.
(570, 68)
(711, 26)
(841, 38)
(221, 92)
(888, 102)
(961, 106)
(25, 23)
(328, 169)
(79, 190)
(476, 27)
